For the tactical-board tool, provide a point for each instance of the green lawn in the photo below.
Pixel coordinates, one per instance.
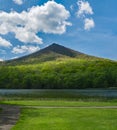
(67, 119)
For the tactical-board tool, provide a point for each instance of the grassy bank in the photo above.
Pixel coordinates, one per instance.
(58, 103)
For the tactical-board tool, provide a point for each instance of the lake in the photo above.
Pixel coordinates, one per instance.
(60, 92)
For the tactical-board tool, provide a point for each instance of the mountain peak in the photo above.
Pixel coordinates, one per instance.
(55, 45)
(59, 49)
(50, 53)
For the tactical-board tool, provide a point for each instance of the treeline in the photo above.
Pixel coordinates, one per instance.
(68, 74)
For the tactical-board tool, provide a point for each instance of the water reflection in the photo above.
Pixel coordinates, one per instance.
(76, 92)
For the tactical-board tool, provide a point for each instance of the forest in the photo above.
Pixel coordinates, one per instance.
(60, 74)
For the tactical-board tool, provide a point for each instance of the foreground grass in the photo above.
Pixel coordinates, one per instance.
(67, 119)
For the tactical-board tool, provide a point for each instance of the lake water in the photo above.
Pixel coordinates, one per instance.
(71, 92)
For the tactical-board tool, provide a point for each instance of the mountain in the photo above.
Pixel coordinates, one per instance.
(50, 53)
(58, 67)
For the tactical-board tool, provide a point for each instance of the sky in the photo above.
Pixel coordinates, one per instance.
(88, 26)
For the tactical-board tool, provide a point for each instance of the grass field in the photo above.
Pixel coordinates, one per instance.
(67, 119)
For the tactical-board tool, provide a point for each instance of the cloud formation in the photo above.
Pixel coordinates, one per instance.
(4, 43)
(84, 8)
(24, 49)
(19, 2)
(48, 18)
(88, 24)
(84, 11)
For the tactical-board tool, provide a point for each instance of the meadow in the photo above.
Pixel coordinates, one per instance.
(65, 114)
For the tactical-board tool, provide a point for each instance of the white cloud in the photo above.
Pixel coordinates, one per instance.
(19, 2)
(25, 49)
(1, 60)
(27, 36)
(4, 43)
(48, 18)
(84, 8)
(88, 24)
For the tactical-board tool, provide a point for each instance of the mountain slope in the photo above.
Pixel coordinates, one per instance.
(50, 53)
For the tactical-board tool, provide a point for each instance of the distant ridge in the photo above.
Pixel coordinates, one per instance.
(50, 53)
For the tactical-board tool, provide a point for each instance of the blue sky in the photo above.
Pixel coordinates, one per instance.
(88, 26)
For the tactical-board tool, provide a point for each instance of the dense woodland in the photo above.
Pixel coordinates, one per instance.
(60, 74)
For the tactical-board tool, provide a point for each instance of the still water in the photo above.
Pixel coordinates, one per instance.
(71, 92)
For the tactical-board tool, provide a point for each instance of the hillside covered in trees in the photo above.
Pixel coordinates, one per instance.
(57, 67)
